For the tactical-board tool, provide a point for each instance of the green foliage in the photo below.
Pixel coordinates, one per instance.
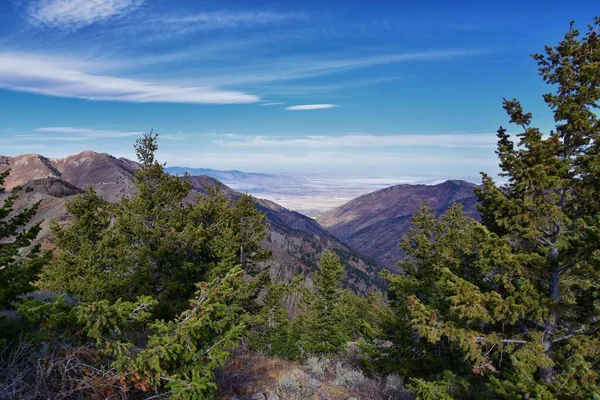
(328, 317)
(236, 232)
(19, 263)
(512, 306)
(130, 262)
(272, 331)
(322, 329)
(111, 324)
(156, 242)
(446, 387)
(91, 262)
(182, 354)
(176, 358)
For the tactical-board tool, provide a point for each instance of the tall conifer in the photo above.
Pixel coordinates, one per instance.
(512, 306)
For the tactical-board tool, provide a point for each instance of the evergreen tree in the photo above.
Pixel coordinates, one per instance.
(236, 232)
(250, 229)
(272, 331)
(130, 355)
(156, 242)
(19, 267)
(323, 331)
(91, 261)
(512, 306)
(328, 318)
(181, 355)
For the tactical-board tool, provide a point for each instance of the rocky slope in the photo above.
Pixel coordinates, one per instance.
(295, 240)
(112, 177)
(373, 224)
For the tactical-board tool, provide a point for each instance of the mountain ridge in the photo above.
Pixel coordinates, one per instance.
(238, 180)
(373, 224)
(295, 240)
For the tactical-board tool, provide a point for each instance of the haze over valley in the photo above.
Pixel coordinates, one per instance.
(311, 195)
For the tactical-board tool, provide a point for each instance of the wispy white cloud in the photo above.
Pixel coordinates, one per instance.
(73, 14)
(296, 68)
(228, 19)
(305, 107)
(116, 62)
(302, 89)
(364, 141)
(25, 147)
(274, 103)
(25, 73)
(149, 27)
(356, 62)
(339, 161)
(74, 134)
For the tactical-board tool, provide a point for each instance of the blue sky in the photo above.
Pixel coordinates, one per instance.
(341, 88)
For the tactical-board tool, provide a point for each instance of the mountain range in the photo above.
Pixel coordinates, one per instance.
(373, 224)
(296, 241)
(237, 179)
(365, 231)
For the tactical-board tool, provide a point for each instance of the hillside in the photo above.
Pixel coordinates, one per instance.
(112, 177)
(295, 240)
(373, 224)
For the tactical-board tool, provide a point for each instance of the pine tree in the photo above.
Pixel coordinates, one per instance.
(156, 242)
(19, 267)
(129, 354)
(91, 261)
(549, 210)
(250, 229)
(322, 325)
(272, 331)
(236, 232)
(512, 305)
(182, 354)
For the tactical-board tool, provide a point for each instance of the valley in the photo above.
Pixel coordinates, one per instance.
(296, 241)
(363, 219)
(311, 195)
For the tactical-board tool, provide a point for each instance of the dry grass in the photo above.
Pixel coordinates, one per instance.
(248, 373)
(30, 371)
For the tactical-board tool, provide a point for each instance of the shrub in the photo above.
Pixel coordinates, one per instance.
(347, 377)
(290, 386)
(316, 366)
(296, 385)
(313, 384)
(393, 383)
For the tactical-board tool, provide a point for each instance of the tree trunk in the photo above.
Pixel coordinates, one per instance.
(554, 281)
(547, 374)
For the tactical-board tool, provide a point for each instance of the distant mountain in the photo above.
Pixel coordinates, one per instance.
(373, 224)
(112, 177)
(215, 173)
(295, 240)
(237, 179)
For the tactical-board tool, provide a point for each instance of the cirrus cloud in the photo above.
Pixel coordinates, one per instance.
(224, 19)
(75, 14)
(360, 140)
(75, 134)
(305, 107)
(63, 79)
